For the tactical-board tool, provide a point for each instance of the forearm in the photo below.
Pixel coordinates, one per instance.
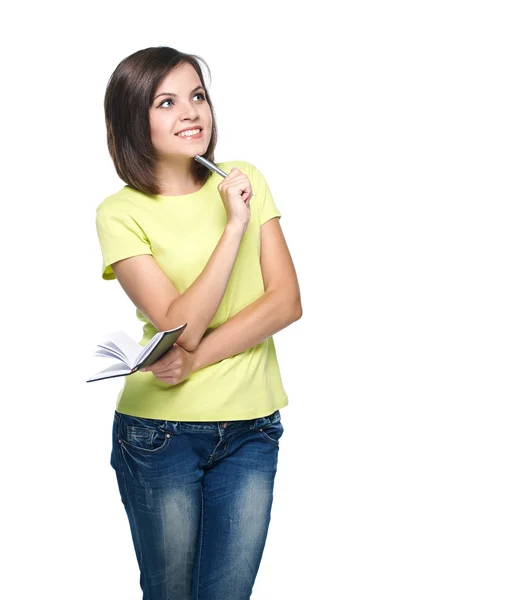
(199, 303)
(252, 325)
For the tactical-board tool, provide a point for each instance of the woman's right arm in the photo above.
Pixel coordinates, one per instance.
(154, 295)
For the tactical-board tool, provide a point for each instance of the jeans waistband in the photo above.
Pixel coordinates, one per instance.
(274, 417)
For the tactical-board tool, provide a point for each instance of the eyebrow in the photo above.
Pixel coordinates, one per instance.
(199, 87)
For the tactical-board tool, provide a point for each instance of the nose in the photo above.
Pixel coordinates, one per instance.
(189, 112)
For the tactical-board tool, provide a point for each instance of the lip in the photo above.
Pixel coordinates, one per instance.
(189, 128)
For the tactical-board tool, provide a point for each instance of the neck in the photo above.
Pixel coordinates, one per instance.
(177, 178)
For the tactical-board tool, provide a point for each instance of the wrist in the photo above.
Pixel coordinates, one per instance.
(196, 359)
(235, 228)
(203, 354)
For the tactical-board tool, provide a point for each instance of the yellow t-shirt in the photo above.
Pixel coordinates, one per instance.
(181, 233)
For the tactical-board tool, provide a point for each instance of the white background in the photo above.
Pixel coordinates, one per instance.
(384, 132)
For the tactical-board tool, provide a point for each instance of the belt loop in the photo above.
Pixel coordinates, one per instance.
(172, 426)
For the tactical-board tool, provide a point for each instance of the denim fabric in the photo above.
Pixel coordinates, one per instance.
(198, 496)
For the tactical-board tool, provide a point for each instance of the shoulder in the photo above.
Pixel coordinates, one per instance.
(122, 200)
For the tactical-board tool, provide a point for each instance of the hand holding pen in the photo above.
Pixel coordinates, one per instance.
(235, 191)
(212, 166)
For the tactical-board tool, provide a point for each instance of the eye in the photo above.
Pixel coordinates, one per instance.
(203, 97)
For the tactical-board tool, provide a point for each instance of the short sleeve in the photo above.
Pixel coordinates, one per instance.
(120, 236)
(263, 197)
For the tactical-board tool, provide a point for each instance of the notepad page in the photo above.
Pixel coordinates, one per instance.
(148, 348)
(109, 351)
(112, 370)
(120, 345)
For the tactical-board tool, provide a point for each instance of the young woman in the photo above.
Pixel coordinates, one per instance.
(196, 436)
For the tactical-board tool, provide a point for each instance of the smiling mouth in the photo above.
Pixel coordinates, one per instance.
(187, 136)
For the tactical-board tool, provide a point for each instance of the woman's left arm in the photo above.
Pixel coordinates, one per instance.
(277, 308)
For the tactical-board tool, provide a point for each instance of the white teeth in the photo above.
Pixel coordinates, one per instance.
(189, 133)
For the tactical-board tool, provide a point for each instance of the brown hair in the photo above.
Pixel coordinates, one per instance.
(128, 98)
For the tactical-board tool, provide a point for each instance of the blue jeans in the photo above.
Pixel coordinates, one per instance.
(198, 496)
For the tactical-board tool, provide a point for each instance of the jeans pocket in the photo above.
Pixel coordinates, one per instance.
(271, 432)
(144, 435)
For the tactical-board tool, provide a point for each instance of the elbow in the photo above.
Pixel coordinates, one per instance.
(187, 340)
(290, 306)
(297, 314)
(189, 343)
(294, 312)
(294, 301)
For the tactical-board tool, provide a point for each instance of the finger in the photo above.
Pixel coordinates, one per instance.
(242, 189)
(167, 371)
(155, 365)
(168, 364)
(237, 182)
(164, 362)
(234, 175)
(169, 380)
(231, 175)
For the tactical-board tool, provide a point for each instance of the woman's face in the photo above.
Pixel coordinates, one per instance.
(178, 105)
